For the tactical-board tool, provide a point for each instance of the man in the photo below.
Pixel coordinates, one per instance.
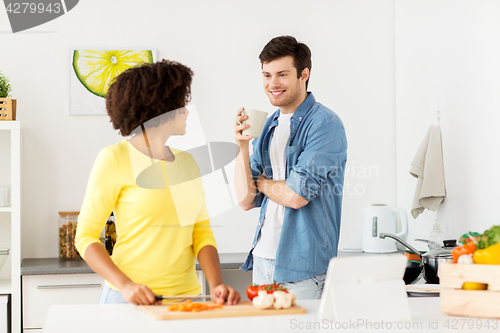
(295, 174)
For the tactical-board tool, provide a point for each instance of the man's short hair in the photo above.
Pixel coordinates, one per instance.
(283, 46)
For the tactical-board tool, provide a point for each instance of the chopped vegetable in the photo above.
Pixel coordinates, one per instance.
(489, 237)
(190, 306)
(263, 300)
(461, 250)
(488, 256)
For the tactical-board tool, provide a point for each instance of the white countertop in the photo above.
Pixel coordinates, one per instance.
(124, 318)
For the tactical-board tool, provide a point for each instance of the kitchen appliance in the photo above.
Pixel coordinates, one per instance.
(432, 259)
(378, 219)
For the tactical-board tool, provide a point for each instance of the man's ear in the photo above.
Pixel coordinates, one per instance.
(305, 74)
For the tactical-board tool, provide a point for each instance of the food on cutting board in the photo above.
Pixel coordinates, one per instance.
(267, 295)
(253, 289)
(279, 299)
(263, 300)
(283, 300)
(190, 306)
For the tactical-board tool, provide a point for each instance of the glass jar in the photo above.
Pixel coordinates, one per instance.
(67, 234)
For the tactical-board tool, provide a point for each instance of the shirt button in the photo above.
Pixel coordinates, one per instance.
(300, 118)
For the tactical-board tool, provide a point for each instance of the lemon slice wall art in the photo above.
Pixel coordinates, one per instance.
(92, 72)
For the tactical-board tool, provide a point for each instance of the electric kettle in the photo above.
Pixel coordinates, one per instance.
(381, 219)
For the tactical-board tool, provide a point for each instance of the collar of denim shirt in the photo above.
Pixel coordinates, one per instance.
(301, 111)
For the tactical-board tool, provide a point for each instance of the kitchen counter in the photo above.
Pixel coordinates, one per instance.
(45, 266)
(124, 318)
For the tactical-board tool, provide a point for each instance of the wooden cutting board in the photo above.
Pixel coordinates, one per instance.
(242, 309)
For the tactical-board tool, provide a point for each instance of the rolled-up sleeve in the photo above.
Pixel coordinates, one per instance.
(257, 171)
(318, 164)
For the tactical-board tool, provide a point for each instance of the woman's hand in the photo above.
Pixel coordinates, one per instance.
(223, 293)
(210, 264)
(138, 294)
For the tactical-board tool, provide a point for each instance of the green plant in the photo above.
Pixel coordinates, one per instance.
(4, 86)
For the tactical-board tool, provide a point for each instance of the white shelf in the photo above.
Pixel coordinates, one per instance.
(10, 125)
(12, 286)
(5, 287)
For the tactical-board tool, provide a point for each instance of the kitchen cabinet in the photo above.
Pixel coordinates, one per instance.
(42, 291)
(10, 220)
(55, 281)
(4, 314)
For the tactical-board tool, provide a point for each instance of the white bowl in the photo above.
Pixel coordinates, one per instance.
(4, 253)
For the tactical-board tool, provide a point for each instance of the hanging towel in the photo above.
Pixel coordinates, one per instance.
(427, 167)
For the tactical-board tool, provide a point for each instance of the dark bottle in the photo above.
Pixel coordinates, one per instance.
(110, 234)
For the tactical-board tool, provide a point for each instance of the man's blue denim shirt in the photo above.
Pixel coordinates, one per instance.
(315, 157)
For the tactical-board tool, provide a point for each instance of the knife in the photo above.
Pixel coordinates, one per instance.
(160, 297)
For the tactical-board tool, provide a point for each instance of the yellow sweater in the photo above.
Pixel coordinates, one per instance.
(160, 227)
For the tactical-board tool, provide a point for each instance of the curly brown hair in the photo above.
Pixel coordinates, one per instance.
(147, 91)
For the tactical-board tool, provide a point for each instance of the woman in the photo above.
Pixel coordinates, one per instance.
(161, 227)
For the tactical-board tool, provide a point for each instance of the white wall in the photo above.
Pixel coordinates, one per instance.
(353, 73)
(447, 59)
(361, 89)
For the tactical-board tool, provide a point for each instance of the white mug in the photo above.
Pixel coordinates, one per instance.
(4, 196)
(256, 120)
